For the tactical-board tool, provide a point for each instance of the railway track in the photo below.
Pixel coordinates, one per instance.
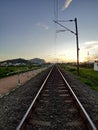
(56, 107)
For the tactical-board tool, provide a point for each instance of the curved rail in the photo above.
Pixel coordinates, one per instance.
(82, 111)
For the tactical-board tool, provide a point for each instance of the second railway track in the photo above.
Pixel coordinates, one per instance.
(56, 107)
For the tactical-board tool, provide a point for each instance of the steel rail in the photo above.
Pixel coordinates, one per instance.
(24, 119)
(84, 114)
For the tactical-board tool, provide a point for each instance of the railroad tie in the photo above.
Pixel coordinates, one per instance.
(39, 122)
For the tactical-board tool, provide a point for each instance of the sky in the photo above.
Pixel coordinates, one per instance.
(27, 29)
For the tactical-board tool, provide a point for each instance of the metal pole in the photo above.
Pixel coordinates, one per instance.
(77, 43)
(76, 33)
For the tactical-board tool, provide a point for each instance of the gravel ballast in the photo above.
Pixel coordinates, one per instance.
(14, 105)
(87, 96)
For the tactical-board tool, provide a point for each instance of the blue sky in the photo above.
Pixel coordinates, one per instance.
(27, 30)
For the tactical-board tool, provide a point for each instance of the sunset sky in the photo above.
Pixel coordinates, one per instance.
(27, 29)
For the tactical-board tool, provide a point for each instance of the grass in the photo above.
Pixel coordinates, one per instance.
(87, 75)
(11, 70)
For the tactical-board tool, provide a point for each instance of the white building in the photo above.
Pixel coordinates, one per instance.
(96, 65)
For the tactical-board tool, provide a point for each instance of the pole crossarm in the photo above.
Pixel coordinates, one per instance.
(64, 27)
(66, 20)
(57, 31)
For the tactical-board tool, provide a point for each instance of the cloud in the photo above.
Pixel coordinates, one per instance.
(95, 56)
(91, 45)
(90, 50)
(66, 4)
(42, 26)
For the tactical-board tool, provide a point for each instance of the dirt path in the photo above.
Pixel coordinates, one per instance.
(9, 83)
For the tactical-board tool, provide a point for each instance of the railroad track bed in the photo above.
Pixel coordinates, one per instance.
(14, 105)
(87, 96)
(11, 114)
(56, 108)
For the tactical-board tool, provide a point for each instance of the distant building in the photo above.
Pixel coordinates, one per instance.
(96, 65)
(3, 64)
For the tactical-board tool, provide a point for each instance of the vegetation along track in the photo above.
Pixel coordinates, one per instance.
(56, 107)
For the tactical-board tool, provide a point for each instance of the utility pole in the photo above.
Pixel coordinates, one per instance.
(75, 33)
(77, 42)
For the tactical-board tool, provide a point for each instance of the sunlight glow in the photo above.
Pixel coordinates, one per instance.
(69, 56)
